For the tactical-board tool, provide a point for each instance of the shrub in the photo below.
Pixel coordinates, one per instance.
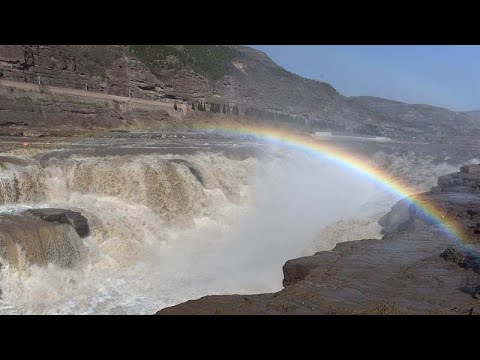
(211, 61)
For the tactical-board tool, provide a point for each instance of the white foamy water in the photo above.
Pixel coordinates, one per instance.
(162, 233)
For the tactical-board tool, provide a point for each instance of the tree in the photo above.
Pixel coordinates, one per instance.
(224, 109)
(235, 110)
(193, 106)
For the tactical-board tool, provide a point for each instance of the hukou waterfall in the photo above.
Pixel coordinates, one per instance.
(133, 233)
(239, 180)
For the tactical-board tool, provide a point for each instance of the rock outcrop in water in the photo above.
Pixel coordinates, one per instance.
(42, 236)
(398, 219)
(413, 269)
(62, 216)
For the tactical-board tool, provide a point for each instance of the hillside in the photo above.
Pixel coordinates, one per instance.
(231, 75)
(417, 119)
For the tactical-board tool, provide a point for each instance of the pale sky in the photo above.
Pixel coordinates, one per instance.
(446, 75)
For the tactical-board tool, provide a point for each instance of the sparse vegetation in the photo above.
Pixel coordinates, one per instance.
(278, 71)
(44, 89)
(201, 106)
(211, 61)
(214, 108)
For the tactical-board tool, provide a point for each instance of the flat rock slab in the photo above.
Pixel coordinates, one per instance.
(63, 216)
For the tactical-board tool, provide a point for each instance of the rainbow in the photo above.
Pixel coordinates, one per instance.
(308, 144)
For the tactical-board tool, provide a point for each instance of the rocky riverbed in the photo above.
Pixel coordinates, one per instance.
(413, 269)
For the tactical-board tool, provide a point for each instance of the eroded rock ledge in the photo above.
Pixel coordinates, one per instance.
(42, 236)
(413, 269)
(62, 216)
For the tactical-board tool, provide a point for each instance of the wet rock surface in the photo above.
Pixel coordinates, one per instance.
(400, 218)
(62, 216)
(26, 239)
(413, 269)
(457, 197)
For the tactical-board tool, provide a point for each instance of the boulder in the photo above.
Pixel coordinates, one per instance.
(63, 216)
(296, 270)
(399, 218)
(464, 258)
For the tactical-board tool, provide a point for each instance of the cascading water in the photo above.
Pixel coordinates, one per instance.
(169, 228)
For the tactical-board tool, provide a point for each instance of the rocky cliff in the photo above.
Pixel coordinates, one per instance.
(212, 74)
(413, 269)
